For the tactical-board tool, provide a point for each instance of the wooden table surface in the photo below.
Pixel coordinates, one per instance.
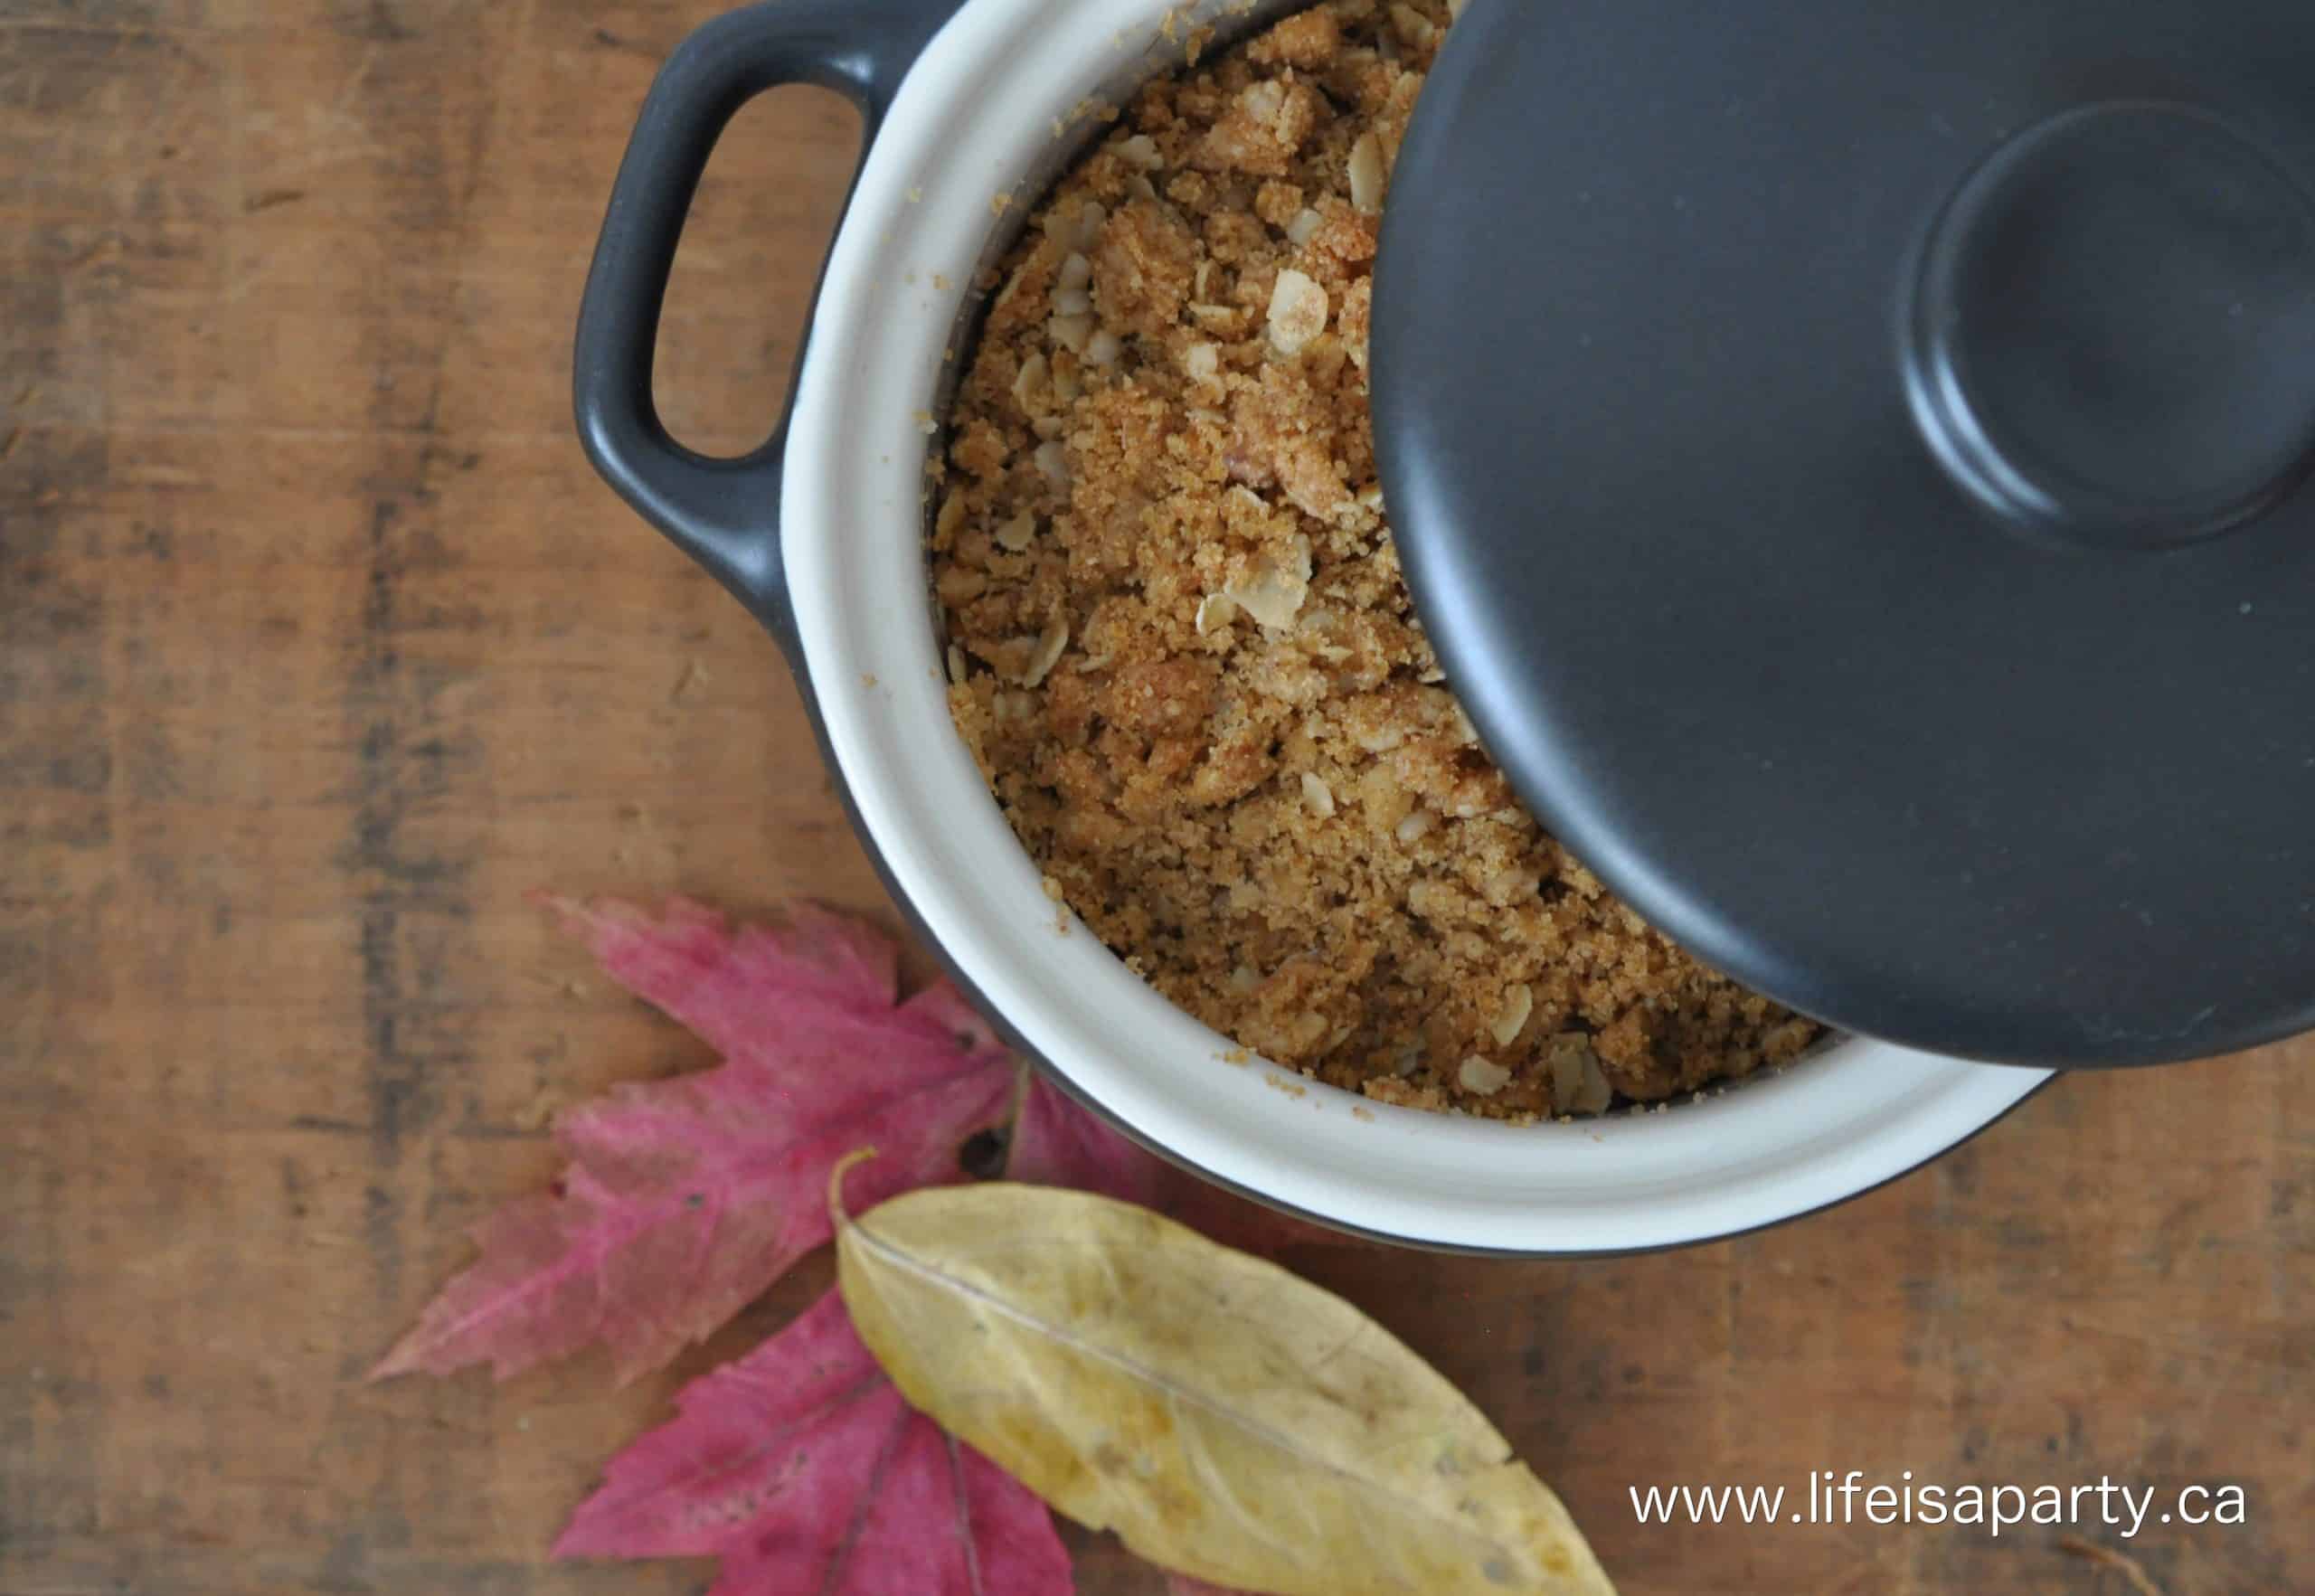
(319, 646)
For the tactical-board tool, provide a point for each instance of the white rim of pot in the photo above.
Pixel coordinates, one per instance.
(976, 113)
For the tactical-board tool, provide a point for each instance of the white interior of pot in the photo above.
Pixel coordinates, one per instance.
(959, 164)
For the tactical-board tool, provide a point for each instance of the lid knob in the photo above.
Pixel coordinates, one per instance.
(2111, 336)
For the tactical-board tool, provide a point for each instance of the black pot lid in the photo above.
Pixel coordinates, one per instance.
(1852, 459)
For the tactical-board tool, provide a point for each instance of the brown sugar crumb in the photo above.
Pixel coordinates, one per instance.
(1183, 655)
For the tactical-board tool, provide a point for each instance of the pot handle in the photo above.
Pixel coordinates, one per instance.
(723, 513)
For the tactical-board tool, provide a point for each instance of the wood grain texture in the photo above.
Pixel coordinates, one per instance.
(319, 646)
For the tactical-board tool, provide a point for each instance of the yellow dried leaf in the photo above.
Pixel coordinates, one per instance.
(1225, 1418)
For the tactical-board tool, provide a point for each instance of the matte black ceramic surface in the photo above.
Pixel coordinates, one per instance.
(723, 513)
(1852, 459)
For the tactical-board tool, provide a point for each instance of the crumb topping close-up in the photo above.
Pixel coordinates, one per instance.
(1181, 651)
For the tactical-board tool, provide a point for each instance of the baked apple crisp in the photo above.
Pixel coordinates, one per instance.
(1181, 651)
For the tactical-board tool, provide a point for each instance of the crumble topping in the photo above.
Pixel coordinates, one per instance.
(1184, 656)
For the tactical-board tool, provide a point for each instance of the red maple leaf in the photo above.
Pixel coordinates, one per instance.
(801, 1469)
(800, 1465)
(685, 1198)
